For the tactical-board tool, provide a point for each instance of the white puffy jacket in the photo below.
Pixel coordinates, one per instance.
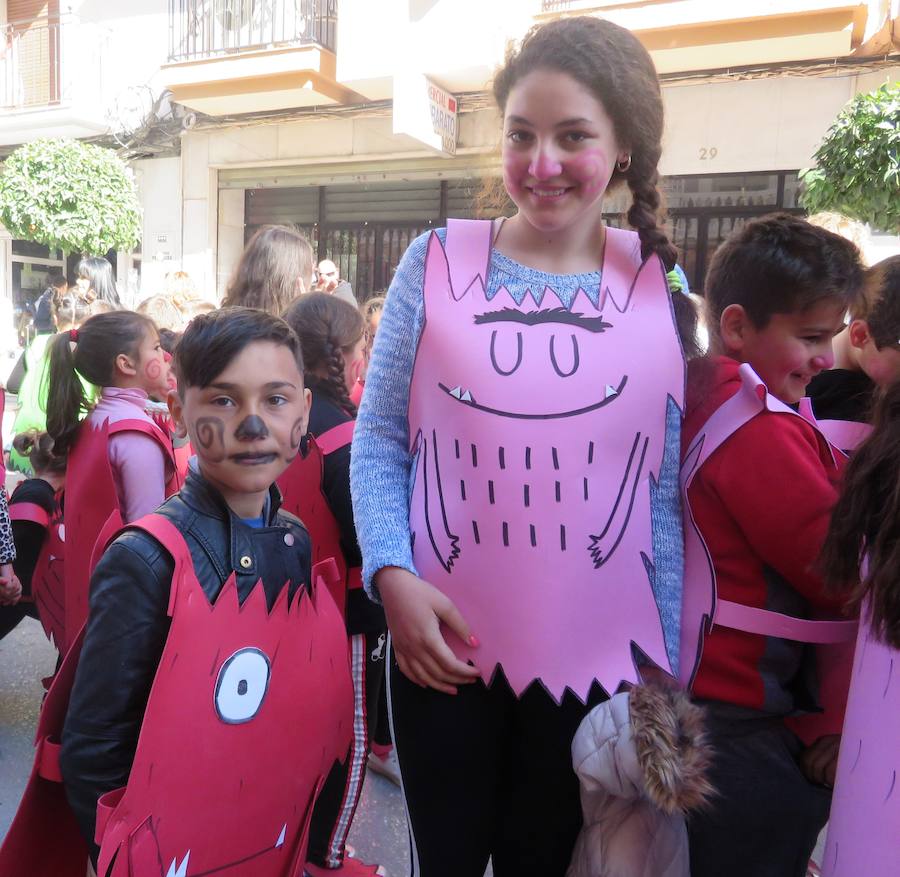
(642, 759)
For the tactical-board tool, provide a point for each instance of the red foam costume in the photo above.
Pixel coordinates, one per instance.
(248, 711)
(48, 579)
(92, 508)
(301, 488)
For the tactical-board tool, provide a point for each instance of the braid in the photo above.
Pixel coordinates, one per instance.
(644, 212)
(334, 383)
(643, 216)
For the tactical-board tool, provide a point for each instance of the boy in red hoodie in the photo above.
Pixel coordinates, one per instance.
(776, 295)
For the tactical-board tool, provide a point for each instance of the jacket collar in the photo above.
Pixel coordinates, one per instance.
(201, 496)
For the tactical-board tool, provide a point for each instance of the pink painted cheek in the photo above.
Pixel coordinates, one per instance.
(591, 169)
(515, 172)
(154, 370)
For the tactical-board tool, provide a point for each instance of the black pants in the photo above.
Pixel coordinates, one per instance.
(336, 805)
(767, 816)
(488, 774)
(10, 616)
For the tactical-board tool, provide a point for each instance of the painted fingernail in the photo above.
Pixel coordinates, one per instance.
(474, 641)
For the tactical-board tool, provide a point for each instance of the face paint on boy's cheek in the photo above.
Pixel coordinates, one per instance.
(250, 428)
(211, 438)
(298, 431)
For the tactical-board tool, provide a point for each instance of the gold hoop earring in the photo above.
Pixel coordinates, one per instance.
(623, 166)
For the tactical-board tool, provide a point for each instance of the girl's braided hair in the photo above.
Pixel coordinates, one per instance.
(611, 62)
(327, 327)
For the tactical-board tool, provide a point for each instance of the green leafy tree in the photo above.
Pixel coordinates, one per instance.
(857, 169)
(70, 195)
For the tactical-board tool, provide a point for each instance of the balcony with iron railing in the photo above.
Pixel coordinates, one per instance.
(239, 56)
(211, 28)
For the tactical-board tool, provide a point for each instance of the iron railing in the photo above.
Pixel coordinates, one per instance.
(210, 28)
(30, 68)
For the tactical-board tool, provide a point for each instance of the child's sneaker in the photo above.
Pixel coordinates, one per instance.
(351, 868)
(386, 765)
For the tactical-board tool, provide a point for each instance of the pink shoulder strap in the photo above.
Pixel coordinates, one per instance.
(468, 251)
(29, 511)
(165, 532)
(335, 438)
(751, 399)
(621, 263)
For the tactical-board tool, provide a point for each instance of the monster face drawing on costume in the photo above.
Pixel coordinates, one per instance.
(539, 432)
(248, 711)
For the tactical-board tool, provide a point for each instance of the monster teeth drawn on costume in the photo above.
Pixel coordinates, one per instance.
(461, 394)
(181, 870)
(280, 841)
(611, 391)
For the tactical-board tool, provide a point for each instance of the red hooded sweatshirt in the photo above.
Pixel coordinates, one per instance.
(762, 502)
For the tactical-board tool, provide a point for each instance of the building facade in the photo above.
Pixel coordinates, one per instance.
(309, 112)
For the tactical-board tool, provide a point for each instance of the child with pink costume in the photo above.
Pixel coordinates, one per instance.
(120, 461)
(864, 829)
(514, 467)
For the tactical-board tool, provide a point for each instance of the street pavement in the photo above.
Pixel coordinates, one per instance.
(379, 831)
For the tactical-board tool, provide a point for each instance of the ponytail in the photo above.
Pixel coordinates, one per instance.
(66, 402)
(89, 353)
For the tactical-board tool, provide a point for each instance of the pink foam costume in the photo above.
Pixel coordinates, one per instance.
(702, 609)
(539, 431)
(864, 828)
(847, 435)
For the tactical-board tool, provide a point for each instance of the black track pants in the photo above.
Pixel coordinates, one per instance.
(336, 805)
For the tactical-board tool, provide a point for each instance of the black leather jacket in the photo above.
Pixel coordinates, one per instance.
(128, 625)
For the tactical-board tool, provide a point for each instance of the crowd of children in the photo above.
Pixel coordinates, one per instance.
(596, 590)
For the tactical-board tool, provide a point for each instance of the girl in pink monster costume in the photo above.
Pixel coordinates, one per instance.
(864, 829)
(514, 466)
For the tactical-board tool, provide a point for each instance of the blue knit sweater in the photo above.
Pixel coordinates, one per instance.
(381, 469)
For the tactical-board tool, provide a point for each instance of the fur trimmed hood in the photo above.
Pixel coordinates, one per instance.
(672, 748)
(642, 759)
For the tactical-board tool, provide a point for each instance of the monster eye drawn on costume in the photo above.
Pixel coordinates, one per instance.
(497, 367)
(548, 315)
(242, 685)
(575, 358)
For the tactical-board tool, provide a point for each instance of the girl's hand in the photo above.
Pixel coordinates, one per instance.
(10, 586)
(415, 611)
(819, 761)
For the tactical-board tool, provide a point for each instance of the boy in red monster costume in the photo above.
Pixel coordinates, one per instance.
(213, 691)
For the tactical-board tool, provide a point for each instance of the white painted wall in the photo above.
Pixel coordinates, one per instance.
(159, 187)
